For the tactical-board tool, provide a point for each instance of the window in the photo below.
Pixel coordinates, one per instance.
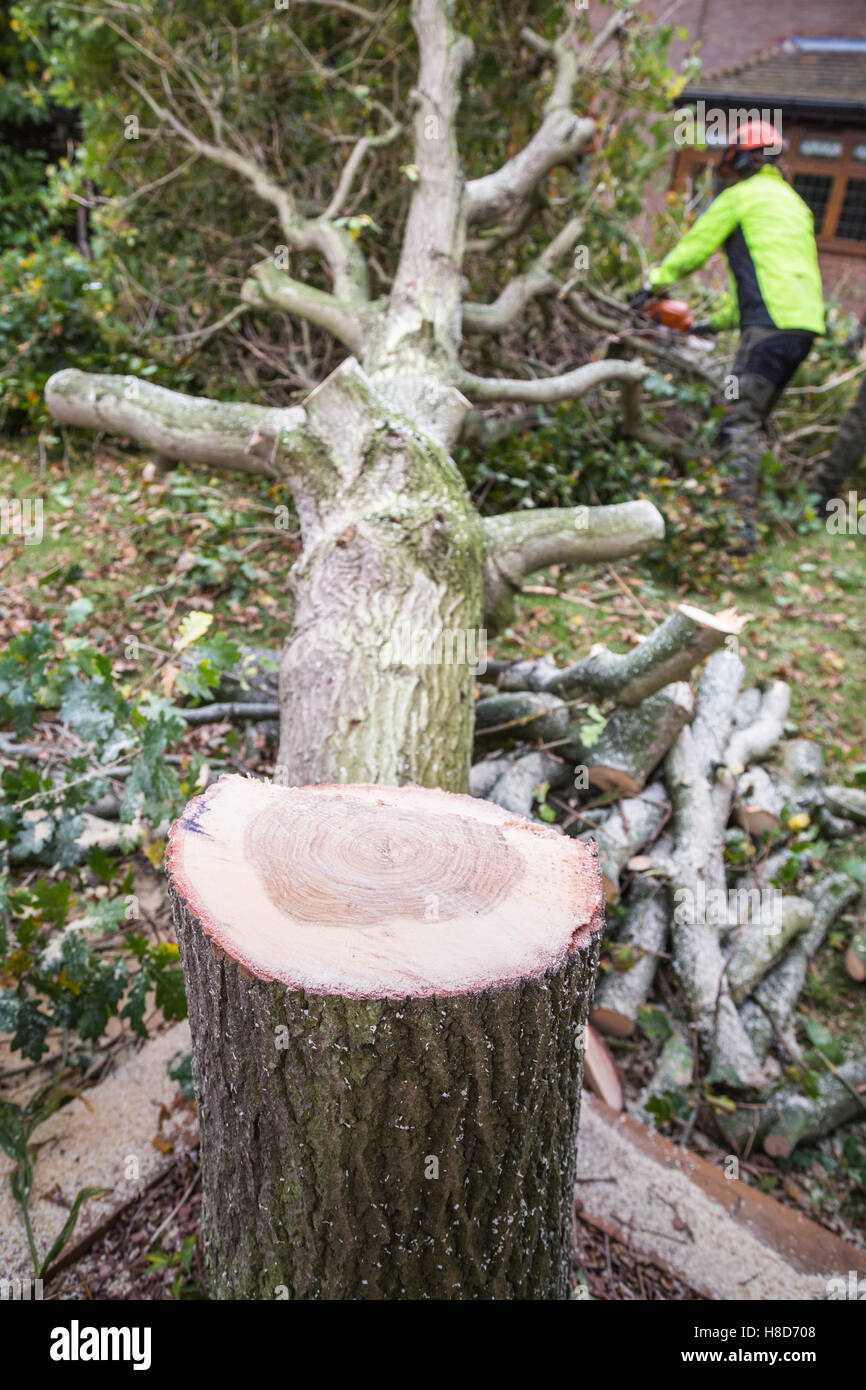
(852, 215)
(820, 149)
(814, 189)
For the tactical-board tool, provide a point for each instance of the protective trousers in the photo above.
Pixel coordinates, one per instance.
(766, 360)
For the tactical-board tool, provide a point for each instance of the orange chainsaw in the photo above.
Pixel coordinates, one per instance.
(671, 314)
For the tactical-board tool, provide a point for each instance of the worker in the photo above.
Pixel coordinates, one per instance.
(767, 232)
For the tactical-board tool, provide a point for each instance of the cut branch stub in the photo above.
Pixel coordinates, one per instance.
(387, 991)
(666, 655)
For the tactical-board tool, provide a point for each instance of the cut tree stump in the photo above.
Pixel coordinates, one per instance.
(388, 988)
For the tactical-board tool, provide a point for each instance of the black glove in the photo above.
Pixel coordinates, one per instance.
(704, 329)
(644, 294)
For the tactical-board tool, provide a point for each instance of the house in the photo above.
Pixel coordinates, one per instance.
(813, 87)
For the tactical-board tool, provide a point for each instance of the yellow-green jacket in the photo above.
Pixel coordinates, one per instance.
(767, 232)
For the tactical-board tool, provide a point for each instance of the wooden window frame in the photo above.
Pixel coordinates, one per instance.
(838, 170)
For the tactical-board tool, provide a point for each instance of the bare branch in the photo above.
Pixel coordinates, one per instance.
(193, 429)
(545, 390)
(561, 136)
(618, 332)
(426, 286)
(518, 543)
(335, 244)
(537, 280)
(354, 162)
(272, 288)
(634, 426)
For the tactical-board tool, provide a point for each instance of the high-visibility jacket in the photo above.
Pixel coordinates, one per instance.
(768, 236)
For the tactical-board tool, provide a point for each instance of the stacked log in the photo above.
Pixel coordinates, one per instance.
(673, 776)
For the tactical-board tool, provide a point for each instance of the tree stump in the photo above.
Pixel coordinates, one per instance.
(388, 988)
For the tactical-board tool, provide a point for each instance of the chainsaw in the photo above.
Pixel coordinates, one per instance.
(672, 317)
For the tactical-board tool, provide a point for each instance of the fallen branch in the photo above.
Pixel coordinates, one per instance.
(769, 1010)
(762, 940)
(754, 742)
(849, 802)
(515, 789)
(790, 1117)
(698, 872)
(621, 993)
(667, 655)
(633, 824)
(232, 709)
(521, 715)
(636, 738)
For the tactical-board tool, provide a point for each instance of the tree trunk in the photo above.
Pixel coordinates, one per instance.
(388, 989)
(376, 679)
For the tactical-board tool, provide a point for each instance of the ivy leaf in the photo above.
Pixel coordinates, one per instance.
(591, 730)
(31, 1029)
(133, 1009)
(822, 1039)
(654, 1023)
(170, 992)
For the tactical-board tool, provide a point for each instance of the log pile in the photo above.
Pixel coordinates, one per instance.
(694, 799)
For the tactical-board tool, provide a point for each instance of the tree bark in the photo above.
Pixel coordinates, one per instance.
(388, 1095)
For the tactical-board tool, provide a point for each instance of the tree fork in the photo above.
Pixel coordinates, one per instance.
(388, 989)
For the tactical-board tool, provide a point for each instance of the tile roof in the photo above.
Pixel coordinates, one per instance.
(789, 72)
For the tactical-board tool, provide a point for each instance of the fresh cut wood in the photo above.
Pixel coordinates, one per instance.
(388, 988)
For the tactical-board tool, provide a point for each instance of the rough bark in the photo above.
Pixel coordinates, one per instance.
(667, 655)
(698, 872)
(635, 740)
(391, 565)
(790, 1117)
(633, 824)
(368, 1129)
(621, 993)
(767, 1014)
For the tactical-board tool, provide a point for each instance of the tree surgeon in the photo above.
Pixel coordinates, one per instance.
(776, 296)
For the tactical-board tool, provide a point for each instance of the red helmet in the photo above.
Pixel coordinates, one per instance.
(755, 137)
